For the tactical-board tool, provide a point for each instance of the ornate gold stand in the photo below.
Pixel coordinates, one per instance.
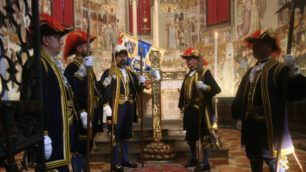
(157, 150)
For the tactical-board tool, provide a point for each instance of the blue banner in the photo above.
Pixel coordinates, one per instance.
(145, 47)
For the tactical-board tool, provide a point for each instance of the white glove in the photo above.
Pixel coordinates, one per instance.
(107, 111)
(82, 71)
(84, 119)
(88, 61)
(201, 85)
(48, 147)
(289, 60)
(104, 119)
(238, 125)
(108, 80)
(142, 79)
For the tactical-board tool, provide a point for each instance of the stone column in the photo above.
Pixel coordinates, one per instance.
(134, 18)
(156, 23)
(122, 14)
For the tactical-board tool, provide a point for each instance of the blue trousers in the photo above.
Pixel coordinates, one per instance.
(193, 151)
(257, 156)
(78, 163)
(124, 149)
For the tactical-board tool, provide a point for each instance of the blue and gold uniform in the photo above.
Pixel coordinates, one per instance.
(79, 86)
(258, 104)
(194, 100)
(58, 104)
(124, 109)
(58, 109)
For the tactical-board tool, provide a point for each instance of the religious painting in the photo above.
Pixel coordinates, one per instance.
(173, 61)
(45, 6)
(181, 28)
(298, 43)
(243, 60)
(103, 25)
(249, 16)
(283, 16)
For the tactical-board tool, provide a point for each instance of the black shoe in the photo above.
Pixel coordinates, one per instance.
(191, 163)
(129, 164)
(202, 167)
(118, 168)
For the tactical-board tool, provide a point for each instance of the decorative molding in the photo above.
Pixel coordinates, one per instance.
(173, 75)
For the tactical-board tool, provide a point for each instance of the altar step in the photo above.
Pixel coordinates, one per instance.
(172, 133)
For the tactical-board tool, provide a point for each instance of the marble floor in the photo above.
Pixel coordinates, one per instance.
(237, 161)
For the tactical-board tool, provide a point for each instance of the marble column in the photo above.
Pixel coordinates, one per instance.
(122, 14)
(156, 23)
(134, 18)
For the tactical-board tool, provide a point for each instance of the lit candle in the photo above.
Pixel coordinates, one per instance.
(216, 54)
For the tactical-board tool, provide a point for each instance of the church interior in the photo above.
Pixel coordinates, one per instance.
(168, 27)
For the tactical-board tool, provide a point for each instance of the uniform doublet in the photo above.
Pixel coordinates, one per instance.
(258, 104)
(58, 110)
(193, 98)
(79, 87)
(125, 104)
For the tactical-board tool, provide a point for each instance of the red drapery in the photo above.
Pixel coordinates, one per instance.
(57, 10)
(145, 13)
(62, 10)
(212, 17)
(68, 13)
(217, 11)
(223, 10)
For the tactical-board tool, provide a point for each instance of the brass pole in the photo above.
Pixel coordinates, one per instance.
(89, 92)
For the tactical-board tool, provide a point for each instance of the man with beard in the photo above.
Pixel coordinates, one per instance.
(127, 87)
(198, 89)
(258, 102)
(76, 43)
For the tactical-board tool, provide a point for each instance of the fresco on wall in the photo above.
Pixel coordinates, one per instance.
(249, 16)
(181, 23)
(103, 24)
(172, 61)
(45, 6)
(243, 60)
(298, 43)
(283, 16)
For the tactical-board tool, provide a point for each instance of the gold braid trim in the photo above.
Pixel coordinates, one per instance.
(206, 141)
(64, 105)
(266, 103)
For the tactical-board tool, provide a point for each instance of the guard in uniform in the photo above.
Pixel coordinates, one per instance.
(127, 87)
(57, 95)
(258, 101)
(76, 44)
(198, 89)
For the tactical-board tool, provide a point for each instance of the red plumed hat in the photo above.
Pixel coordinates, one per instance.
(74, 39)
(48, 26)
(52, 23)
(268, 35)
(193, 53)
